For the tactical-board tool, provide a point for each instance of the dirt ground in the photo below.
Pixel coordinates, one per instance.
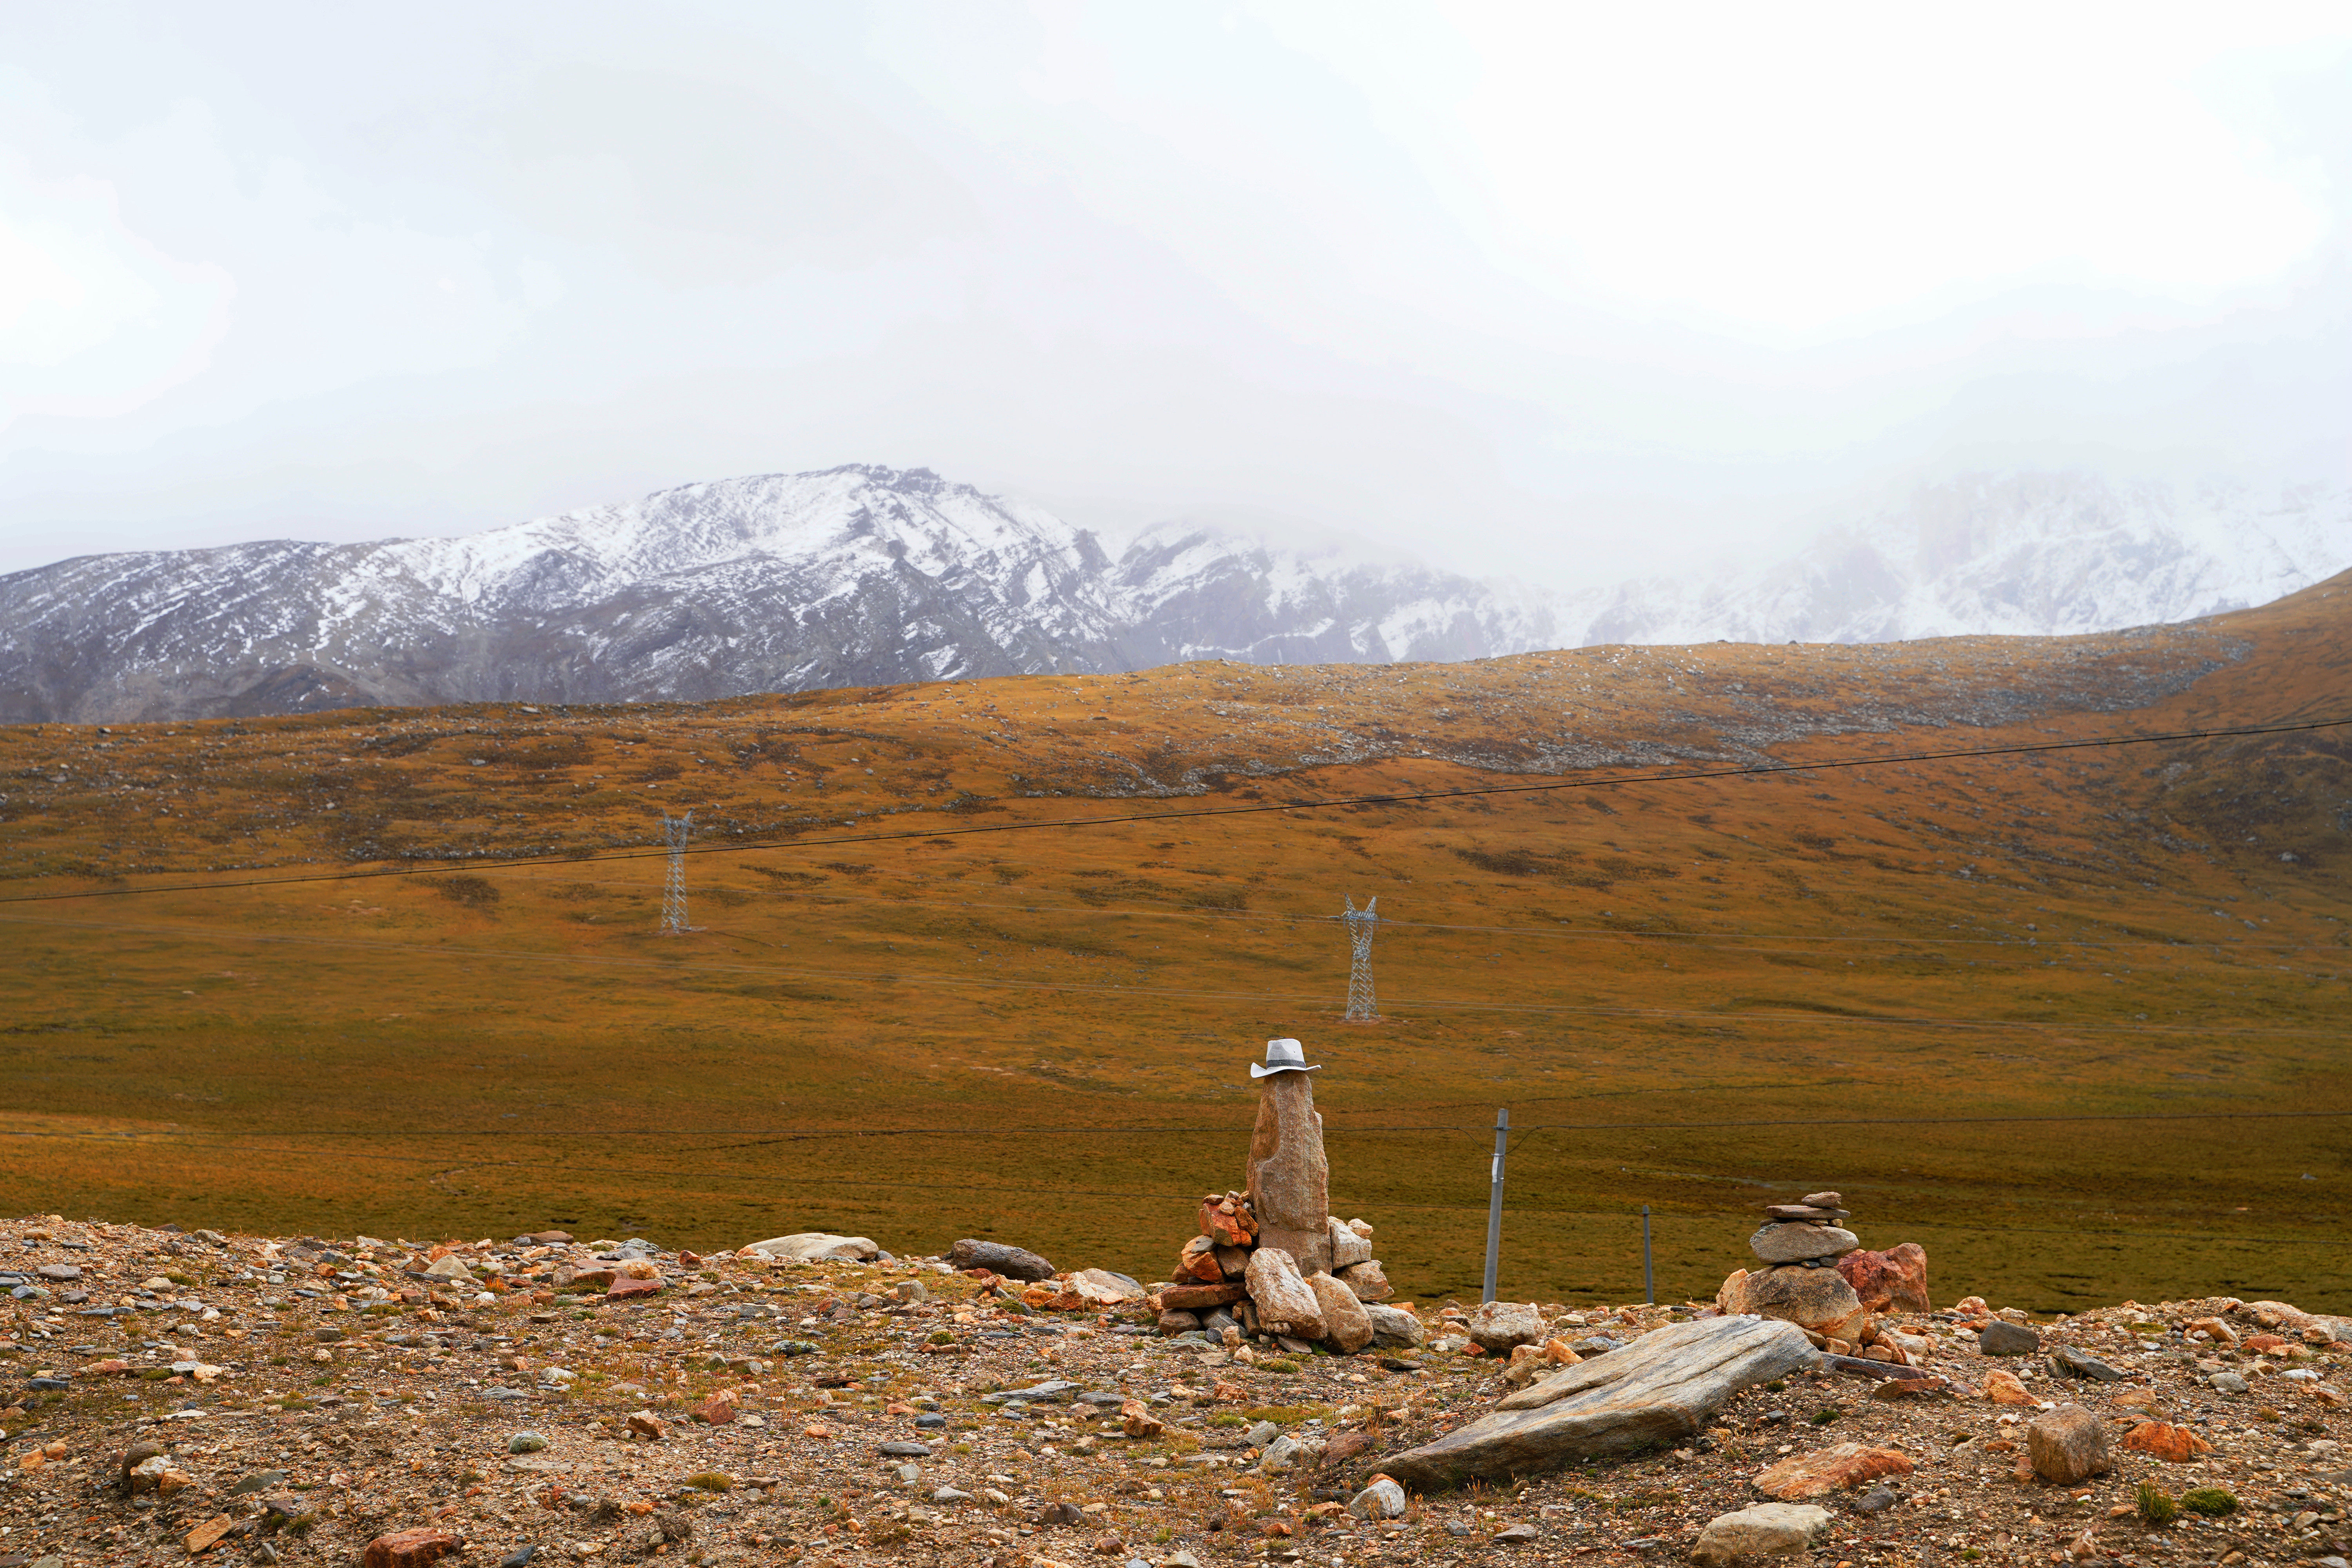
(301, 1397)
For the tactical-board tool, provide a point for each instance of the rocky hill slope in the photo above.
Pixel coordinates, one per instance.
(866, 576)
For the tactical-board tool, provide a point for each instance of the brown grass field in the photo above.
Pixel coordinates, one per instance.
(2075, 1020)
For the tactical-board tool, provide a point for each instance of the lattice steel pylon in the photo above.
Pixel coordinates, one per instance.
(1360, 1008)
(676, 830)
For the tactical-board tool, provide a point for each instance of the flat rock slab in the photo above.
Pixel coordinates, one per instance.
(1661, 1389)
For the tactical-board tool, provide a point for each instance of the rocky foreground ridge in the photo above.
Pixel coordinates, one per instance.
(172, 1395)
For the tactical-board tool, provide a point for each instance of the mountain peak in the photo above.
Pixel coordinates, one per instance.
(864, 574)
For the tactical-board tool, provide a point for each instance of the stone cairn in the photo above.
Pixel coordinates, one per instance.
(1272, 1259)
(1816, 1274)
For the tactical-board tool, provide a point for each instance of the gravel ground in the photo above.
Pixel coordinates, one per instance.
(304, 1397)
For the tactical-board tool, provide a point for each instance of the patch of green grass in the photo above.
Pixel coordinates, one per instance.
(711, 1481)
(2211, 1501)
(2156, 1505)
(1826, 1415)
(1277, 1363)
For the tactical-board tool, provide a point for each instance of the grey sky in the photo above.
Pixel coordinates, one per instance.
(1547, 288)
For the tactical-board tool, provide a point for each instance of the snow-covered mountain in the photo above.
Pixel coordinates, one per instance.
(865, 575)
(2036, 553)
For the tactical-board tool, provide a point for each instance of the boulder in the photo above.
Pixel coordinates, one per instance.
(1815, 1299)
(1101, 1287)
(1732, 1296)
(1500, 1327)
(1394, 1325)
(1010, 1262)
(1178, 1322)
(412, 1548)
(1895, 1280)
(1368, 1280)
(1285, 1303)
(1347, 1247)
(1775, 1243)
(1383, 1499)
(2177, 1445)
(1997, 1338)
(2003, 1388)
(1659, 1391)
(1345, 1324)
(1233, 1262)
(2068, 1445)
(1289, 1178)
(814, 1246)
(1826, 1470)
(1765, 1530)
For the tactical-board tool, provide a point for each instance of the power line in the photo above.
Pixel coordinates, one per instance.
(1415, 797)
(1794, 1014)
(767, 1137)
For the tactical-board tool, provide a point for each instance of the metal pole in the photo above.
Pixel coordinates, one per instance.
(1649, 1291)
(1494, 1199)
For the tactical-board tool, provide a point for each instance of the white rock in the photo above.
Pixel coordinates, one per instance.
(1767, 1529)
(1777, 1243)
(1347, 1247)
(1383, 1499)
(1394, 1325)
(815, 1245)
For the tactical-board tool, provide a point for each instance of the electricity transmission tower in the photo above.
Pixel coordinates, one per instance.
(674, 833)
(1360, 1009)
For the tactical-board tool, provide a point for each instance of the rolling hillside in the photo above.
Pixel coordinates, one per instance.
(1886, 979)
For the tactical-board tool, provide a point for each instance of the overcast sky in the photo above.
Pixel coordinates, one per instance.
(1572, 290)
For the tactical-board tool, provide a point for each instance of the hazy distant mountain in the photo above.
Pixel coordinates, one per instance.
(864, 575)
(2026, 553)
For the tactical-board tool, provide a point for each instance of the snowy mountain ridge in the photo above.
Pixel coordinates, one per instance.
(863, 576)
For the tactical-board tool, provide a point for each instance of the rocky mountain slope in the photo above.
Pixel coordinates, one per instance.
(873, 577)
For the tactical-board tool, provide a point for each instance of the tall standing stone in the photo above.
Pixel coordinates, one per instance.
(1289, 1179)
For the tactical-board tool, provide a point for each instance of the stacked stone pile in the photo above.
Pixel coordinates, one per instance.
(1816, 1274)
(1226, 1277)
(1273, 1259)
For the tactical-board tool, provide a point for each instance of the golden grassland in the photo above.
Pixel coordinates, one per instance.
(2074, 1020)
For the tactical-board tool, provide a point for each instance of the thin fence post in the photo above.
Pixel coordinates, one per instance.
(1495, 1200)
(1649, 1289)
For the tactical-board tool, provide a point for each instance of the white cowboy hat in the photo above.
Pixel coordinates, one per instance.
(1283, 1056)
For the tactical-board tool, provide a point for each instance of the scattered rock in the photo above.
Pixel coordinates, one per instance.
(2067, 1445)
(1499, 1327)
(1515, 1534)
(1382, 1500)
(1394, 1325)
(1826, 1470)
(2068, 1362)
(1765, 1530)
(815, 1245)
(521, 1443)
(2002, 1388)
(2228, 1382)
(419, 1547)
(2177, 1444)
(1661, 1389)
(1997, 1338)
(1010, 1262)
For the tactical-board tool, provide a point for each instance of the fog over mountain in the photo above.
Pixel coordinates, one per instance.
(863, 576)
